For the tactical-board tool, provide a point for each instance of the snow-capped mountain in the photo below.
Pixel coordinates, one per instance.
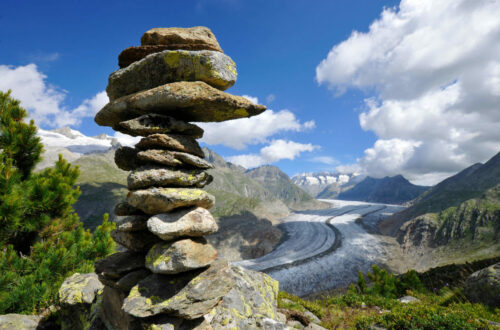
(72, 144)
(315, 183)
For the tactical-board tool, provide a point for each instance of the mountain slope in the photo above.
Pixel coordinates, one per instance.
(280, 185)
(389, 190)
(327, 183)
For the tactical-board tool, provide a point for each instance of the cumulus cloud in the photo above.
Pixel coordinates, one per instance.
(239, 133)
(44, 102)
(275, 151)
(434, 70)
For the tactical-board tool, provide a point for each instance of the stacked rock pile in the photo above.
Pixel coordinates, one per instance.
(168, 270)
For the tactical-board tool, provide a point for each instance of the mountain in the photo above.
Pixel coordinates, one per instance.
(316, 183)
(389, 190)
(278, 183)
(456, 220)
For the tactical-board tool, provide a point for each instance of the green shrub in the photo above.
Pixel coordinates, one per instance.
(41, 239)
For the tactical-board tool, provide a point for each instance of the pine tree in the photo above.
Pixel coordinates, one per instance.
(41, 239)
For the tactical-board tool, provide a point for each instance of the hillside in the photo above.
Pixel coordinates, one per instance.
(280, 185)
(389, 190)
(456, 220)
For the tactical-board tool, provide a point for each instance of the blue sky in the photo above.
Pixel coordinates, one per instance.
(396, 70)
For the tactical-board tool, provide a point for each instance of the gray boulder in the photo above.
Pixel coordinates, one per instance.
(484, 286)
(180, 256)
(192, 222)
(19, 322)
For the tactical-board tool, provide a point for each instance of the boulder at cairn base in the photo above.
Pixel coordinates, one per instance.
(214, 68)
(180, 256)
(161, 177)
(176, 142)
(162, 200)
(192, 222)
(157, 124)
(188, 295)
(175, 37)
(172, 158)
(188, 101)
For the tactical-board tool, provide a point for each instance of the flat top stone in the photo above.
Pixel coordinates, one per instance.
(187, 100)
(198, 35)
(171, 142)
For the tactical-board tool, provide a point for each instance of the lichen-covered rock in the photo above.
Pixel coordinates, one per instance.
(215, 68)
(180, 256)
(198, 35)
(171, 142)
(19, 322)
(131, 223)
(188, 295)
(80, 289)
(187, 100)
(79, 300)
(124, 209)
(126, 158)
(483, 286)
(118, 264)
(192, 222)
(166, 322)
(163, 177)
(157, 124)
(162, 200)
(172, 159)
(111, 312)
(252, 299)
(135, 240)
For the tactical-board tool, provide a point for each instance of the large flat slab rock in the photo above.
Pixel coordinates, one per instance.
(118, 264)
(180, 256)
(157, 124)
(197, 35)
(146, 177)
(188, 295)
(191, 222)
(172, 158)
(188, 101)
(162, 200)
(215, 68)
(175, 142)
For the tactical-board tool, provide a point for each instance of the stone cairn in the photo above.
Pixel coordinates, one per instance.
(168, 270)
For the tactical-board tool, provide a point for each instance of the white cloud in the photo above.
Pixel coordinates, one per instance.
(324, 160)
(239, 133)
(270, 98)
(252, 99)
(44, 102)
(275, 151)
(435, 69)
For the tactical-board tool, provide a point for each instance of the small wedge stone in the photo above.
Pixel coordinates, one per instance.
(146, 177)
(192, 222)
(135, 240)
(118, 264)
(186, 100)
(172, 158)
(171, 142)
(126, 158)
(131, 223)
(157, 124)
(162, 200)
(188, 295)
(215, 68)
(180, 256)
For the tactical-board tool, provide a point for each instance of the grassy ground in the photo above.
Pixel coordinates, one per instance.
(363, 307)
